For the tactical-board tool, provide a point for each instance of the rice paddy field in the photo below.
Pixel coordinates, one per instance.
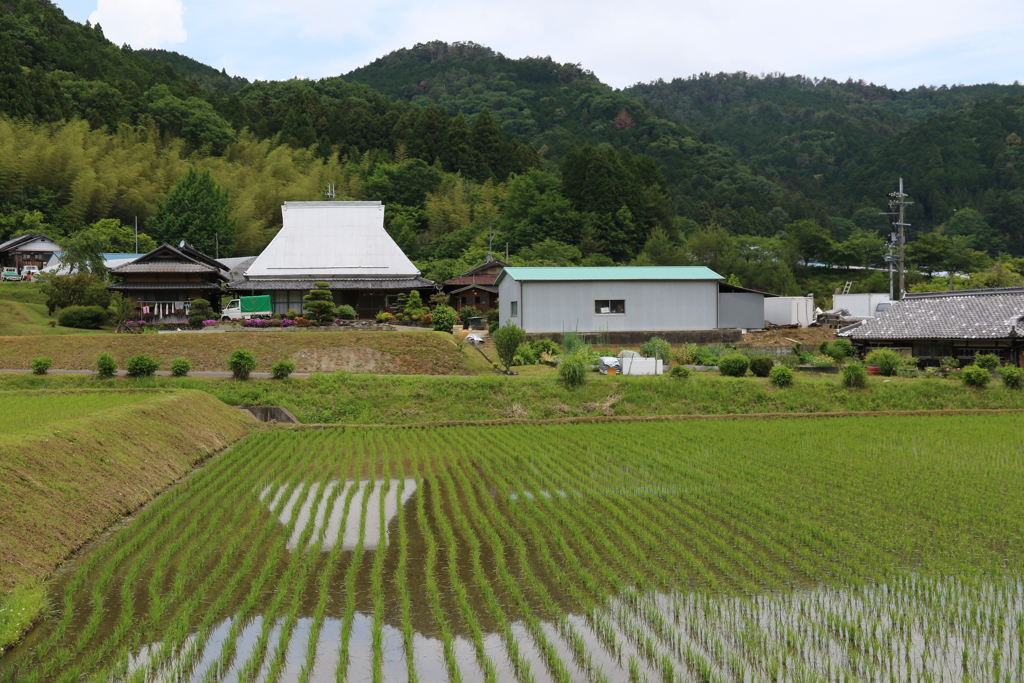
(23, 410)
(833, 549)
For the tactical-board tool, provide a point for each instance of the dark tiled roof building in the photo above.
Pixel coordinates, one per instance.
(934, 325)
(164, 282)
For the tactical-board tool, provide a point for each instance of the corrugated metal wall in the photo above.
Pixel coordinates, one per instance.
(744, 310)
(650, 305)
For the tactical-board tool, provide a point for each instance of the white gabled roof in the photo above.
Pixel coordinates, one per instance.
(336, 240)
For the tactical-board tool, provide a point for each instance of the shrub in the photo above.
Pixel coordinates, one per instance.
(525, 355)
(734, 365)
(180, 367)
(706, 357)
(656, 347)
(888, 361)
(106, 366)
(855, 376)
(242, 362)
(198, 311)
(989, 361)
(976, 376)
(840, 349)
(573, 370)
(282, 369)
(948, 363)
(384, 317)
(492, 327)
(346, 312)
(689, 354)
(781, 376)
(823, 348)
(679, 372)
(492, 316)
(82, 317)
(506, 342)
(41, 365)
(443, 319)
(291, 314)
(1012, 376)
(141, 366)
(413, 305)
(467, 312)
(762, 365)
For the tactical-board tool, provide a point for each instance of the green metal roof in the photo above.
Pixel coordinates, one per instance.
(610, 273)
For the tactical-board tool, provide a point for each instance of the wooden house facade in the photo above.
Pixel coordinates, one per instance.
(476, 287)
(30, 249)
(164, 282)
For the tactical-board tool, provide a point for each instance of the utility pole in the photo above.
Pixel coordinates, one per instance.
(897, 207)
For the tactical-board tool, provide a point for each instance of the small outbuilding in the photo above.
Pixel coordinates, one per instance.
(164, 282)
(934, 325)
(476, 287)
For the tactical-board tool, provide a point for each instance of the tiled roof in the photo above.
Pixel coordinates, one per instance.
(373, 284)
(124, 286)
(164, 267)
(967, 314)
(479, 279)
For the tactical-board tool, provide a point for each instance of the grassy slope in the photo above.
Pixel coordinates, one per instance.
(23, 312)
(64, 483)
(417, 352)
(361, 399)
(24, 410)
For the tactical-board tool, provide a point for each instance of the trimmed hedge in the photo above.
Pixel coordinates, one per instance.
(82, 317)
(141, 366)
(781, 376)
(734, 365)
(761, 365)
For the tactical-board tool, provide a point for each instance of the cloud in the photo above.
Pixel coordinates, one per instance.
(141, 23)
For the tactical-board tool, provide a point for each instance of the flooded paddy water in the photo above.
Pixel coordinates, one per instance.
(618, 552)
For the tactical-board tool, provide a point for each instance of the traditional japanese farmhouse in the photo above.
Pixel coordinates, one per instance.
(476, 287)
(931, 326)
(163, 282)
(31, 249)
(341, 243)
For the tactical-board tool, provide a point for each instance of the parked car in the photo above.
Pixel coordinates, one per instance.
(10, 273)
(29, 272)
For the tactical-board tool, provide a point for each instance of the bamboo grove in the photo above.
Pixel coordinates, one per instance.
(838, 549)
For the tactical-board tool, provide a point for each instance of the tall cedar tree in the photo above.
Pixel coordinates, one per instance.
(457, 150)
(196, 210)
(490, 149)
(426, 137)
(15, 93)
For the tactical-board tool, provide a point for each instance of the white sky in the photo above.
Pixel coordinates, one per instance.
(899, 43)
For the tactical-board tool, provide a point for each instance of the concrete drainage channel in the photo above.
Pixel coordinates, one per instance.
(270, 413)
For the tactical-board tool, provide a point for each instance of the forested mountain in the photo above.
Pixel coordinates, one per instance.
(758, 177)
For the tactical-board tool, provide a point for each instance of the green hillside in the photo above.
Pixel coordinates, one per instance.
(756, 177)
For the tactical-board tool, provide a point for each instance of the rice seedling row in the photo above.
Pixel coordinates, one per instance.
(742, 551)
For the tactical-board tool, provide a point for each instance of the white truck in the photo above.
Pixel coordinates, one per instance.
(248, 307)
(9, 273)
(29, 272)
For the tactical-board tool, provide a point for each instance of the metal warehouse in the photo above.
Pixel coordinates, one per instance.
(624, 299)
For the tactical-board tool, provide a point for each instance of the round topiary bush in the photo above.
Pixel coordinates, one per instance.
(989, 361)
(679, 372)
(82, 317)
(1012, 376)
(106, 366)
(734, 365)
(762, 365)
(241, 363)
(41, 365)
(887, 361)
(346, 312)
(573, 370)
(855, 376)
(976, 376)
(282, 369)
(781, 376)
(180, 367)
(443, 318)
(141, 366)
